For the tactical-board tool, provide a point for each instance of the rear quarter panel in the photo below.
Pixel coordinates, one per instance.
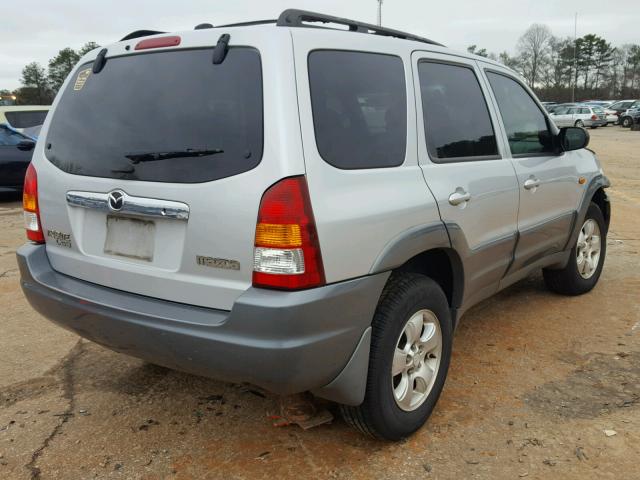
(359, 212)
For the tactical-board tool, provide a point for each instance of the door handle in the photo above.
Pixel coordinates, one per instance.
(531, 183)
(459, 196)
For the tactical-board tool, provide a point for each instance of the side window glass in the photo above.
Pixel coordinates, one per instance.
(526, 125)
(456, 117)
(585, 111)
(359, 103)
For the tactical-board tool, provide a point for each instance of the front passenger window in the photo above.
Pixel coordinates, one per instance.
(524, 122)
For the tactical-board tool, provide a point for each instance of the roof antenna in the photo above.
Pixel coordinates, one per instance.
(222, 47)
(99, 62)
(203, 26)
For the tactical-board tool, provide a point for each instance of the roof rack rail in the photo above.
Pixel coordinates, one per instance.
(248, 24)
(299, 18)
(139, 33)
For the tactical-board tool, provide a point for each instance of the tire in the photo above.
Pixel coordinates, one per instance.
(569, 280)
(406, 297)
(626, 122)
(579, 123)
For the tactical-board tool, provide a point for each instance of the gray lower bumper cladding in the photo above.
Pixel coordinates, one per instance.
(285, 342)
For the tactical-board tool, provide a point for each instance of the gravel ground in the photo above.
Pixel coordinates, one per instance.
(541, 386)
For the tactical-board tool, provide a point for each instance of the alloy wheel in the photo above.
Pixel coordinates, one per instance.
(416, 360)
(588, 248)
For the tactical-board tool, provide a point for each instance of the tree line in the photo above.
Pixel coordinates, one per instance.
(40, 85)
(557, 69)
(563, 70)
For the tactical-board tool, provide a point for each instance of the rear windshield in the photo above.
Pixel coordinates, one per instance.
(26, 119)
(168, 116)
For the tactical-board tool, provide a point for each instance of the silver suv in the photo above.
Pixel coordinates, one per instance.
(304, 209)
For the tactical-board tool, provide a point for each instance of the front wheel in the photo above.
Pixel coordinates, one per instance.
(410, 353)
(587, 258)
(626, 122)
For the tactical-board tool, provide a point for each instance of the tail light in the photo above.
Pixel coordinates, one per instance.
(594, 117)
(30, 206)
(287, 253)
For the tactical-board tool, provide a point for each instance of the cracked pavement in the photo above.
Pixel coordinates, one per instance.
(535, 381)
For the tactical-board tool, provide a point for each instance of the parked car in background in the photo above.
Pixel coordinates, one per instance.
(23, 116)
(630, 117)
(618, 108)
(580, 116)
(611, 116)
(15, 154)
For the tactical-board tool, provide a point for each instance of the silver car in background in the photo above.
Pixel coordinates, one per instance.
(580, 116)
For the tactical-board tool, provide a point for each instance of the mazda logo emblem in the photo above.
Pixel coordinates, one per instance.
(116, 200)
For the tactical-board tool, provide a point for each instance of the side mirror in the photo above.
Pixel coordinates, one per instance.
(26, 145)
(573, 138)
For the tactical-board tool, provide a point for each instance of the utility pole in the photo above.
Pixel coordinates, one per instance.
(575, 58)
(379, 13)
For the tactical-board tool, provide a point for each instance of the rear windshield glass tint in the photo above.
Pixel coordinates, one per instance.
(162, 117)
(26, 119)
(359, 103)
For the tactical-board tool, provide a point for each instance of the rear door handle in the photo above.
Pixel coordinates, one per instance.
(459, 196)
(531, 183)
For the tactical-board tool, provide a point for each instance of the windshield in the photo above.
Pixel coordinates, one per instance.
(197, 121)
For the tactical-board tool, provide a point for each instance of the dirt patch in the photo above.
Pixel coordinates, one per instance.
(604, 383)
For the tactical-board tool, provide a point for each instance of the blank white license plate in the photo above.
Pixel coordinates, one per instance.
(130, 237)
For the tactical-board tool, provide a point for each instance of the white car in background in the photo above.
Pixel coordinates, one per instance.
(580, 116)
(22, 117)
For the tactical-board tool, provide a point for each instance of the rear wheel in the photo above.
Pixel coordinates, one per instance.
(579, 123)
(410, 354)
(587, 258)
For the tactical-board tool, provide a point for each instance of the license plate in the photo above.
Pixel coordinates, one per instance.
(130, 237)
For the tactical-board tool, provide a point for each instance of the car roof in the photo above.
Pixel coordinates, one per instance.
(301, 22)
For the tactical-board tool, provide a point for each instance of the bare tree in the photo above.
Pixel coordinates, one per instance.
(533, 49)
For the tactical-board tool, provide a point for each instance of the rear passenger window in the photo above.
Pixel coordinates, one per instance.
(359, 103)
(524, 122)
(456, 118)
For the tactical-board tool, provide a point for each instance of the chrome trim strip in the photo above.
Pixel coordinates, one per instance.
(139, 206)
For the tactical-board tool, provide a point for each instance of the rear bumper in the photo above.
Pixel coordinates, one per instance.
(595, 123)
(285, 342)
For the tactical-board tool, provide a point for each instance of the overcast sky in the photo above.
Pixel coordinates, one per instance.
(37, 29)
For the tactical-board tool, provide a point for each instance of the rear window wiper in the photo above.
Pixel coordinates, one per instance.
(155, 156)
